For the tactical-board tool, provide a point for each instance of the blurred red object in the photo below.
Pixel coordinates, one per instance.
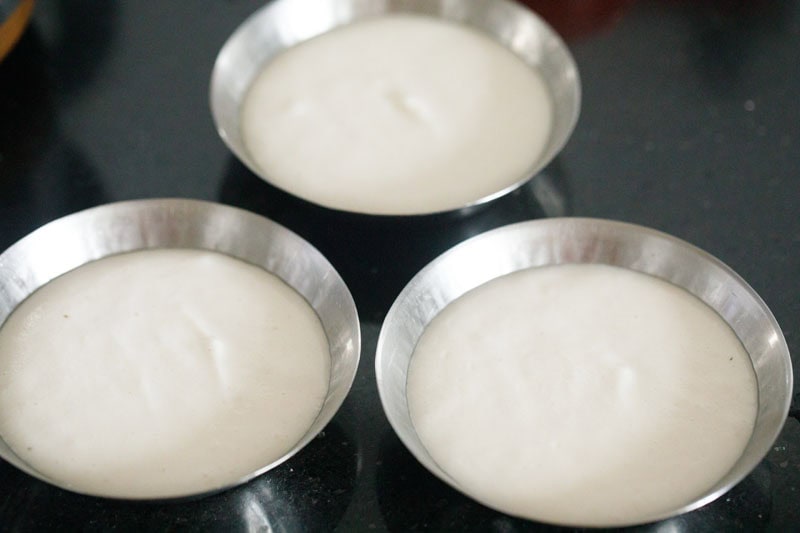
(573, 19)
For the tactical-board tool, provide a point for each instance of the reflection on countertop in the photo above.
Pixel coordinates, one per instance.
(310, 492)
(378, 255)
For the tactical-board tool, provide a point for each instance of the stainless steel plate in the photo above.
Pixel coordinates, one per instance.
(77, 239)
(285, 23)
(566, 240)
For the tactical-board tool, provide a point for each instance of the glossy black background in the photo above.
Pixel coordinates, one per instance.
(690, 124)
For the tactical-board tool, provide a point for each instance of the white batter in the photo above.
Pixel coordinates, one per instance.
(159, 373)
(582, 394)
(397, 115)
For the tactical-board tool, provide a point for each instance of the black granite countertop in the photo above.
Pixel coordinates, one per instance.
(690, 124)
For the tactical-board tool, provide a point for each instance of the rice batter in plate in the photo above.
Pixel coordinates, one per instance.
(582, 394)
(399, 114)
(159, 373)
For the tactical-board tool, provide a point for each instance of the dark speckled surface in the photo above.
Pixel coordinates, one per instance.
(690, 124)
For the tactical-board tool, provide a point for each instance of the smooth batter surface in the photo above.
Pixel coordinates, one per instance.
(396, 115)
(582, 394)
(158, 373)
